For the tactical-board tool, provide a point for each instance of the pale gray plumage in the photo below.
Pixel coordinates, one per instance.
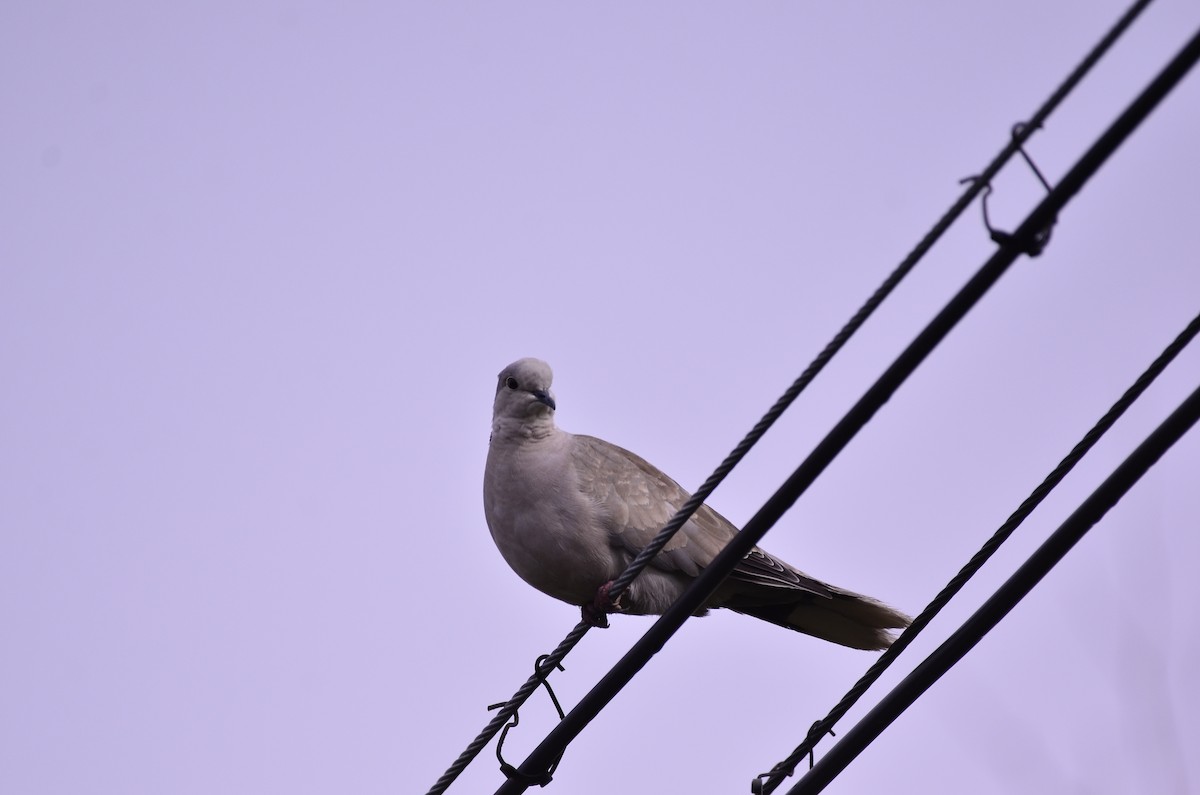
(569, 512)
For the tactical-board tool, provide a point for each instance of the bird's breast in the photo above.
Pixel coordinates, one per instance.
(548, 531)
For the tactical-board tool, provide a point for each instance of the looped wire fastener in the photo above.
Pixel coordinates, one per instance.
(758, 785)
(1000, 237)
(537, 779)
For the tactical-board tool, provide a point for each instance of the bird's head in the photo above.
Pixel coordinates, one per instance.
(523, 396)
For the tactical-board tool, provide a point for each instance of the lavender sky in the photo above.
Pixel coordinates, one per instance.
(259, 266)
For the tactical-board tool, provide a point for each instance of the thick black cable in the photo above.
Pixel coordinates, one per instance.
(768, 782)
(703, 586)
(1166, 80)
(1091, 511)
(978, 183)
(889, 284)
(741, 544)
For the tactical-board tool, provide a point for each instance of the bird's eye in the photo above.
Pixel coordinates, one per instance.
(510, 382)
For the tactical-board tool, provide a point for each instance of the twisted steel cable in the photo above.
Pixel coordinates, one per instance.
(767, 782)
(789, 396)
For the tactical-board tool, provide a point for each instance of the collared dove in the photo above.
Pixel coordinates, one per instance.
(569, 512)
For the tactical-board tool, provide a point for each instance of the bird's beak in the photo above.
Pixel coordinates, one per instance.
(545, 397)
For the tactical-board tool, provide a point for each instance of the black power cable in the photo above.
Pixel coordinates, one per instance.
(768, 782)
(1165, 81)
(539, 760)
(978, 184)
(1003, 600)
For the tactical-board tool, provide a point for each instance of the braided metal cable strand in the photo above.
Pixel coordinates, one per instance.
(722, 471)
(977, 184)
(789, 396)
(1022, 582)
(786, 767)
(709, 579)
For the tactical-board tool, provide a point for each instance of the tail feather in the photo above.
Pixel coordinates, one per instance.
(845, 618)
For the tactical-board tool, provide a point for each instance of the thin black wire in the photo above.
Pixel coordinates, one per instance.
(1030, 573)
(740, 545)
(739, 452)
(702, 587)
(1128, 121)
(1020, 134)
(787, 767)
(839, 340)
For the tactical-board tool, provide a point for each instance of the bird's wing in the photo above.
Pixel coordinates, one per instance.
(637, 499)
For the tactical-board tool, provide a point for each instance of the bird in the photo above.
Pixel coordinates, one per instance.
(568, 512)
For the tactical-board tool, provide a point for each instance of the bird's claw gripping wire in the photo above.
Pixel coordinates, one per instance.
(1038, 244)
(595, 613)
(541, 779)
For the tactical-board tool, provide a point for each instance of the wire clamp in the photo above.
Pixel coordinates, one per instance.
(537, 779)
(1036, 246)
(787, 768)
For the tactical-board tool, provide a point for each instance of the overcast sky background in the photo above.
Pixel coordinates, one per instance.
(261, 263)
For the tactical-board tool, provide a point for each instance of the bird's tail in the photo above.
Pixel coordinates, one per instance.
(846, 618)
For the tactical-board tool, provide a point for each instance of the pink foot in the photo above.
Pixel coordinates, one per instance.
(595, 613)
